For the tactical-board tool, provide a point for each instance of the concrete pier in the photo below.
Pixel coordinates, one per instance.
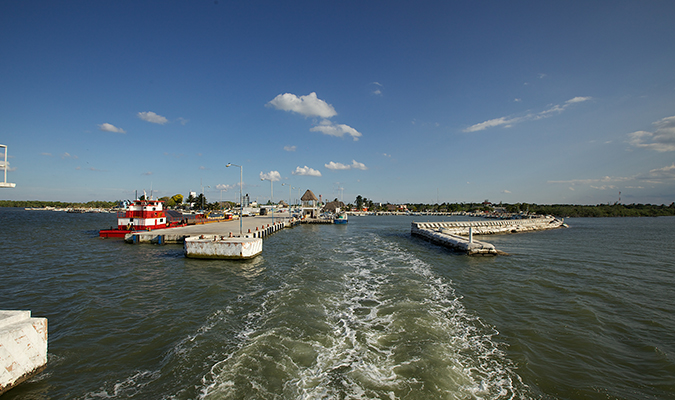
(223, 247)
(23, 347)
(258, 227)
(459, 234)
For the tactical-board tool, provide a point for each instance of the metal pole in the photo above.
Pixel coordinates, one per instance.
(241, 197)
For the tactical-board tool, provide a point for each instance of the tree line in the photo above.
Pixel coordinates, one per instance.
(559, 210)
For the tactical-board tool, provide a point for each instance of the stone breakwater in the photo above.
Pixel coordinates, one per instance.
(458, 235)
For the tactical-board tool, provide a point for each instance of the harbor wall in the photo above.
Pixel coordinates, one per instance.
(458, 235)
(23, 347)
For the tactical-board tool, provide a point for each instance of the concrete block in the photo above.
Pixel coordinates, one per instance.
(221, 247)
(23, 347)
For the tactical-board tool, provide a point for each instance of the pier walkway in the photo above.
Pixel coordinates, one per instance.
(259, 227)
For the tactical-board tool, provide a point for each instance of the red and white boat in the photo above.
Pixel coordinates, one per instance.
(142, 215)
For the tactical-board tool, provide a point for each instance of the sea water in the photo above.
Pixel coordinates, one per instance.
(356, 311)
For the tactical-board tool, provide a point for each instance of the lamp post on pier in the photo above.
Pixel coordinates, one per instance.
(241, 200)
(272, 196)
(290, 215)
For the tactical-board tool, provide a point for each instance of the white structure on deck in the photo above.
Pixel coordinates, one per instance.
(5, 165)
(23, 347)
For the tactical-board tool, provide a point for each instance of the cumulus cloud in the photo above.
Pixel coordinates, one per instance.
(106, 127)
(507, 122)
(307, 171)
(661, 140)
(290, 148)
(152, 117)
(270, 176)
(309, 106)
(358, 165)
(222, 186)
(339, 166)
(312, 106)
(329, 128)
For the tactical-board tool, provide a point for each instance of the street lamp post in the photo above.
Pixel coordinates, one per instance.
(272, 196)
(290, 215)
(203, 197)
(241, 200)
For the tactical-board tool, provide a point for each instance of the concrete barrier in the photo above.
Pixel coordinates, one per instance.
(452, 234)
(23, 347)
(222, 247)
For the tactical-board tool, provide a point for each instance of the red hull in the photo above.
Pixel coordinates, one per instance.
(114, 233)
(120, 233)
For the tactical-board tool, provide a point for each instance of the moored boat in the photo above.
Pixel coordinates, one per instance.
(143, 215)
(340, 218)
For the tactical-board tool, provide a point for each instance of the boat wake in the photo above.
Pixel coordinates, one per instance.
(375, 324)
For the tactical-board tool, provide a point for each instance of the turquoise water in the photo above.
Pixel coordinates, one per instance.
(361, 311)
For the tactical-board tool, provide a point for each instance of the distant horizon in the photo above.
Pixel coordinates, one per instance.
(544, 102)
(352, 202)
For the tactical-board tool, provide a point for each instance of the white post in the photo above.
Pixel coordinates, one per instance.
(470, 234)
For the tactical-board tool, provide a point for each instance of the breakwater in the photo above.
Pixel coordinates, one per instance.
(458, 235)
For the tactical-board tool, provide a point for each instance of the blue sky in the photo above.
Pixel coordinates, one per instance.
(432, 101)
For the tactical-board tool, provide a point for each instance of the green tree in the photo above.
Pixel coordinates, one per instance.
(359, 202)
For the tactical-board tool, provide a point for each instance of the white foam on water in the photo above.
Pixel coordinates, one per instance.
(392, 329)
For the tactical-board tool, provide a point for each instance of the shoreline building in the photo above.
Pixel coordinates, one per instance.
(310, 207)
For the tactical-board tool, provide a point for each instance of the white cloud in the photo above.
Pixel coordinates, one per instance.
(660, 174)
(222, 186)
(507, 122)
(339, 166)
(147, 173)
(358, 165)
(271, 176)
(578, 99)
(506, 191)
(309, 106)
(307, 171)
(111, 128)
(606, 182)
(67, 155)
(329, 128)
(183, 121)
(290, 148)
(661, 140)
(152, 117)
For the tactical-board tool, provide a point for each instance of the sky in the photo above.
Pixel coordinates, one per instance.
(557, 102)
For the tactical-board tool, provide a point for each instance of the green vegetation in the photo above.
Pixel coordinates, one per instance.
(56, 204)
(559, 210)
(604, 210)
